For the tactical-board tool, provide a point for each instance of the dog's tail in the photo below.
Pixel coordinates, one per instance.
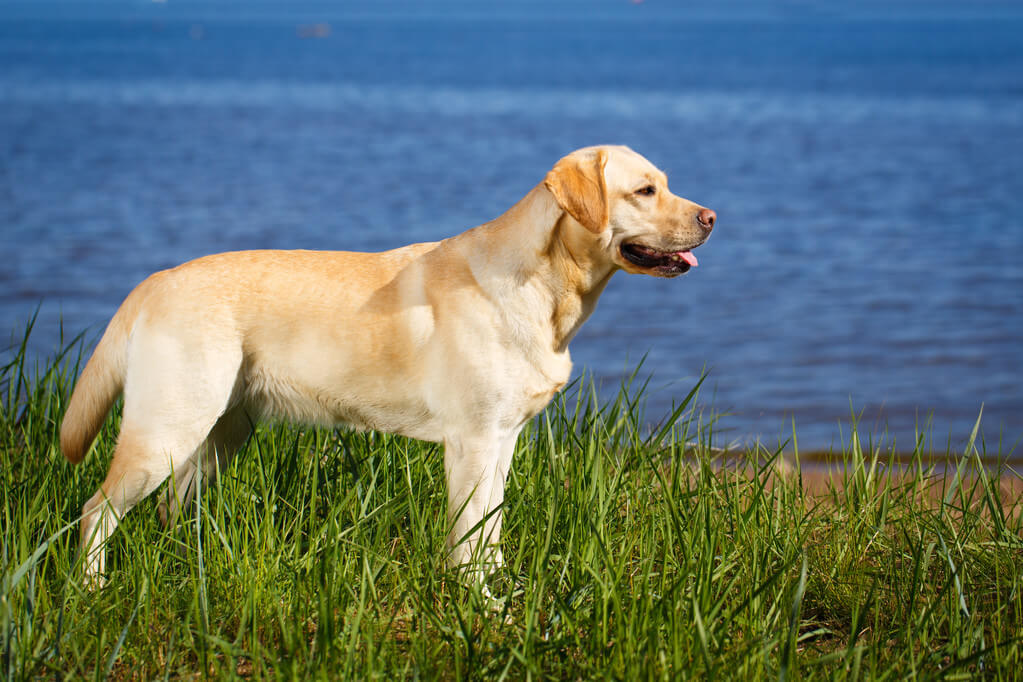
(101, 382)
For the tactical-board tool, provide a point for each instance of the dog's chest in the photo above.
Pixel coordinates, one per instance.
(537, 382)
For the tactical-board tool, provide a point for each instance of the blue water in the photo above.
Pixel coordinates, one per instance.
(865, 162)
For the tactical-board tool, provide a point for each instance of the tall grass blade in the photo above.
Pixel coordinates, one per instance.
(793, 628)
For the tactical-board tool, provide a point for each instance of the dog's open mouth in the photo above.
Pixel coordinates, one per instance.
(668, 263)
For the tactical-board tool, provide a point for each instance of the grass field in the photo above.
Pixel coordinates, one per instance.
(320, 554)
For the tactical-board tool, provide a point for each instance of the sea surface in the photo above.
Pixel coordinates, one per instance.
(865, 161)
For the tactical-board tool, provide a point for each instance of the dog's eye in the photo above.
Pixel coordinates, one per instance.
(647, 191)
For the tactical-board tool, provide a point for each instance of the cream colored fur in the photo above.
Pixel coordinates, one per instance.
(460, 342)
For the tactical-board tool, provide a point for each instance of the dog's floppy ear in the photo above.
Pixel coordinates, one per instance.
(577, 183)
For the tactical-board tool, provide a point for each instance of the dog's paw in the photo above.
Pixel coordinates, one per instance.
(94, 582)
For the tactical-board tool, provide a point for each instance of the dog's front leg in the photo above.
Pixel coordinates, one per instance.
(476, 469)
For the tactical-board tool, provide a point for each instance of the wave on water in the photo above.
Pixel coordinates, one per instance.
(750, 107)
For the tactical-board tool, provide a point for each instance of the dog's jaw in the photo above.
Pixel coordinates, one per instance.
(656, 262)
(662, 263)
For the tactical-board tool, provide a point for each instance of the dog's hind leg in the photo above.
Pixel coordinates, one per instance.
(226, 438)
(173, 397)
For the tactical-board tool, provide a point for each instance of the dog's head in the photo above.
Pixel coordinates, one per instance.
(623, 199)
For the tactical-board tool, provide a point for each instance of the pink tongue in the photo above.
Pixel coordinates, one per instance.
(688, 257)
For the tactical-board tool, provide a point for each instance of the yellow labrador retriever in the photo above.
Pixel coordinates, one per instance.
(460, 342)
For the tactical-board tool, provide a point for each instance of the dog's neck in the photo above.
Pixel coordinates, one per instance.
(579, 271)
(565, 265)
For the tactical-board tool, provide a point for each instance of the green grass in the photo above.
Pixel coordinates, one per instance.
(320, 554)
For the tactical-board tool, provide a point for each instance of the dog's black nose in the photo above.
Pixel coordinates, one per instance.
(706, 218)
